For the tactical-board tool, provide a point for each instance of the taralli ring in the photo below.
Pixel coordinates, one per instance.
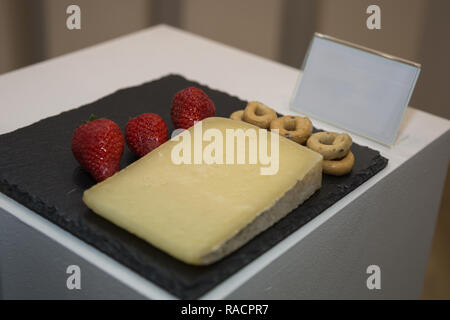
(330, 145)
(259, 114)
(237, 115)
(296, 128)
(339, 167)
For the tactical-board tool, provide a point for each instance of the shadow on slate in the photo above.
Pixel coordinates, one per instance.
(37, 169)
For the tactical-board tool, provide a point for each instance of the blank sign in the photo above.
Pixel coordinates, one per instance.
(355, 88)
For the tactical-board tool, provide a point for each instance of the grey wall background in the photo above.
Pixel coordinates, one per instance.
(34, 30)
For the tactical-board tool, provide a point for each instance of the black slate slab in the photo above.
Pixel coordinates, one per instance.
(37, 169)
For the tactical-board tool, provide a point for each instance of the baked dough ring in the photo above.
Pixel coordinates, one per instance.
(339, 167)
(237, 115)
(259, 114)
(296, 128)
(330, 145)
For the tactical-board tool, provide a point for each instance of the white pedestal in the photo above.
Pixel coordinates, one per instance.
(388, 221)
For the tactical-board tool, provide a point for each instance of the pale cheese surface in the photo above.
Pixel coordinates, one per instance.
(188, 210)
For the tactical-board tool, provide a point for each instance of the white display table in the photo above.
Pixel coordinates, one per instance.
(388, 221)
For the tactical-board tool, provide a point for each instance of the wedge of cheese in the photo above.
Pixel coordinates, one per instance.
(200, 212)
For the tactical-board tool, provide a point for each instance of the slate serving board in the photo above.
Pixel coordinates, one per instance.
(37, 169)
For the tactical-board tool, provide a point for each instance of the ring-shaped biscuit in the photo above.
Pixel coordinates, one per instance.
(330, 145)
(296, 128)
(237, 115)
(259, 114)
(339, 167)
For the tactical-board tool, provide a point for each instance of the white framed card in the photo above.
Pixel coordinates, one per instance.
(355, 88)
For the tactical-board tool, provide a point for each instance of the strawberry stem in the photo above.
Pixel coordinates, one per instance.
(92, 117)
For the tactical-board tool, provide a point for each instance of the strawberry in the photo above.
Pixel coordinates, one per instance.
(98, 146)
(190, 105)
(145, 133)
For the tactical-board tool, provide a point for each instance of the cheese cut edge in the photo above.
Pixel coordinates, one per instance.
(293, 198)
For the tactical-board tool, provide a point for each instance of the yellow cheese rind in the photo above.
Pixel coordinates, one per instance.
(199, 213)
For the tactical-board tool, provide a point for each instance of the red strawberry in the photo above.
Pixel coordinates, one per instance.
(98, 146)
(145, 133)
(190, 105)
